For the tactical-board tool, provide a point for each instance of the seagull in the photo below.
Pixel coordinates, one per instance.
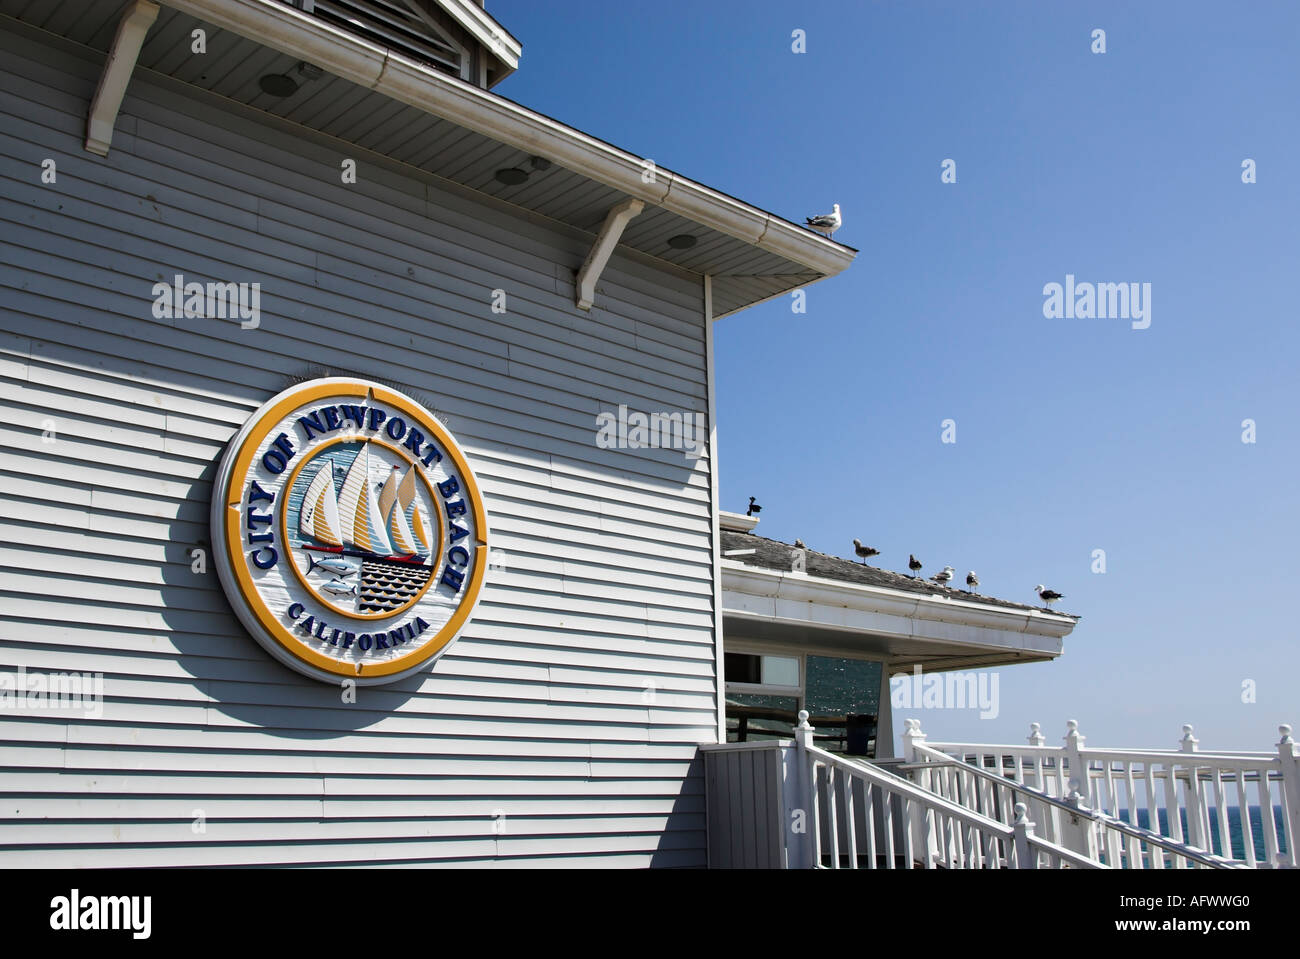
(972, 581)
(864, 552)
(799, 544)
(913, 564)
(943, 576)
(827, 223)
(754, 508)
(1048, 596)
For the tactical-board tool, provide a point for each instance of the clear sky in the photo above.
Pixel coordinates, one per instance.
(1072, 435)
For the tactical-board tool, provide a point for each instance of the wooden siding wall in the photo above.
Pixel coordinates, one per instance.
(561, 729)
(745, 806)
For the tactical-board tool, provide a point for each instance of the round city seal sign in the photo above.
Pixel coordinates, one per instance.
(350, 533)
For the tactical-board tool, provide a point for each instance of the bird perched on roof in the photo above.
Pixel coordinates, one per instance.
(1048, 596)
(944, 576)
(754, 508)
(913, 564)
(971, 581)
(864, 552)
(827, 223)
(799, 544)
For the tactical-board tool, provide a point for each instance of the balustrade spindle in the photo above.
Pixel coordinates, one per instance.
(1269, 820)
(1243, 810)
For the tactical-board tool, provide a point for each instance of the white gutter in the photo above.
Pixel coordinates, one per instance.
(737, 522)
(292, 32)
(917, 608)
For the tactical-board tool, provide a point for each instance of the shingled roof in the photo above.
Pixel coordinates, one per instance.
(778, 556)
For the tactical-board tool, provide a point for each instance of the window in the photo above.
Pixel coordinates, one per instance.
(750, 672)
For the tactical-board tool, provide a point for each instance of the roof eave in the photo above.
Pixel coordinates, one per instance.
(936, 607)
(294, 33)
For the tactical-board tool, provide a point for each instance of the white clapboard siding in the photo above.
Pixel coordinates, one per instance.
(562, 728)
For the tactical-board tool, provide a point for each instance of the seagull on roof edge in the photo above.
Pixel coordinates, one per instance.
(913, 564)
(944, 576)
(1048, 596)
(826, 223)
(864, 552)
(971, 581)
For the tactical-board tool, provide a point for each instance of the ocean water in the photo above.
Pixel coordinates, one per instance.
(836, 687)
(1235, 833)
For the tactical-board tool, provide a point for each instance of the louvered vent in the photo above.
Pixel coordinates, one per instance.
(404, 27)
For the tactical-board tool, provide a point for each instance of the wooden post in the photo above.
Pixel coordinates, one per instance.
(1288, 754)
(1195, 827)
(911, 735)
(1073, 760)
(885, 717)
(801, 801)
(1078, 832)
(1026, 858)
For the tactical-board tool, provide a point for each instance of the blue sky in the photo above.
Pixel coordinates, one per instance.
(1072, 434)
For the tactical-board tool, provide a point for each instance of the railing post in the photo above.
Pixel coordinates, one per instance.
(911, 735)
(1196, 835)
(1079, 832)
(1073, 759)
(1026, 858)
(1036, 736)
(1288, 754)
(801, 807)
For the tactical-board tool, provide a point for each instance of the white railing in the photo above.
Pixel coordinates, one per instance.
(854, 814)
(1069, 822)
(1115, 789)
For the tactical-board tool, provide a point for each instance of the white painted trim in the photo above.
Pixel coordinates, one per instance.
(715, 499)
(281, 27)
(932, 607)
(758, 689)
(483, 28)
(611, 231)
(737, 522)
(131, 30)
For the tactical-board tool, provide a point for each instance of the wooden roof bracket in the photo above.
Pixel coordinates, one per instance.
(135, 23)
(616, 220)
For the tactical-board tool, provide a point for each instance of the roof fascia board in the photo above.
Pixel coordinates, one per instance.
(747, 580)
(299, 35)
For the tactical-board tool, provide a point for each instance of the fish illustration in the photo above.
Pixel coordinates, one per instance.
(339, 567)
(341, 589)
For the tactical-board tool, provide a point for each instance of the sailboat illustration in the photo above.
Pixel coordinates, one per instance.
(358, 521)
